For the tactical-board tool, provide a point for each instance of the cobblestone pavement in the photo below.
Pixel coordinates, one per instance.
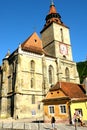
(24, 124)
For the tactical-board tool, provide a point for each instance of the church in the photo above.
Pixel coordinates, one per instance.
(27, 74)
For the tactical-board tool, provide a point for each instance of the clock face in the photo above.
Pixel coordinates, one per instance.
(63, 49)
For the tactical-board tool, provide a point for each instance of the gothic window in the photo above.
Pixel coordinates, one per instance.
(61, 32)
(32, 68)
(9, 84)
(32, 65)
(32, 82)
(33, 99)
(50, 74)
(67, 74)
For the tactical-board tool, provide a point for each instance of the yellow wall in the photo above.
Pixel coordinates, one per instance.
(79, 105)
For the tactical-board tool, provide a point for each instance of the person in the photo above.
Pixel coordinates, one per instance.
(74, 120)
(53, 122)
(80, 119)
(77, 118)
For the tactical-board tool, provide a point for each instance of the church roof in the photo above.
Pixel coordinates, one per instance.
(33, 44)
(70, 89)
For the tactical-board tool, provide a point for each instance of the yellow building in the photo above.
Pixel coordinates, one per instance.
(79, 104)
(62, 100)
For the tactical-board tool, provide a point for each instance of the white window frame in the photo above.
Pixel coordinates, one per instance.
(49, 109)
(62, 111)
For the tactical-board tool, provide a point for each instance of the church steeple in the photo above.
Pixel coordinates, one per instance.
(53, 16)
(55, 35)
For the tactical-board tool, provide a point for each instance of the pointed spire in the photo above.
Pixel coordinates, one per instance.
(53, 16)
(52, 8)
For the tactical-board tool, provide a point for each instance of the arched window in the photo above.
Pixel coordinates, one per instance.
(61, 32)
(32, 69)
(33, 99)
(32, 65)
(32, 82)
(67, 74)
(50, 74)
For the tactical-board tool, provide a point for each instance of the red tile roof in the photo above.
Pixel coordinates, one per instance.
(33, 44)
(70, 89)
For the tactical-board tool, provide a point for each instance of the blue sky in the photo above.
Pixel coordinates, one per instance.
(20, 18)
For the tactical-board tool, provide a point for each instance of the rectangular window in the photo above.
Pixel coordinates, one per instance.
(79, 111)
(62, 108)
(51, 109)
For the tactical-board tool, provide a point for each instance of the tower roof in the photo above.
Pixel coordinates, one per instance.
(52, 8)
(53, 16)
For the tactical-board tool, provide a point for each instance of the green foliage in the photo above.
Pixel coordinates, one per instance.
(82, 70)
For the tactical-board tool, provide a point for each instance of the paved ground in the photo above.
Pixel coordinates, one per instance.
(25, 124)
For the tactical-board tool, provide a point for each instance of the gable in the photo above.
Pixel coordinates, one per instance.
(33, 44)
(55, 94)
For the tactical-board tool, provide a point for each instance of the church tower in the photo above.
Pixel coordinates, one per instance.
(56, 42)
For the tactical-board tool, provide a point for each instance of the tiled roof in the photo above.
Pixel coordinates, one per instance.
(33, 44)
(70, 89)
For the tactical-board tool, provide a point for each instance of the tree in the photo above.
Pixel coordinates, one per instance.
(82, 70)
